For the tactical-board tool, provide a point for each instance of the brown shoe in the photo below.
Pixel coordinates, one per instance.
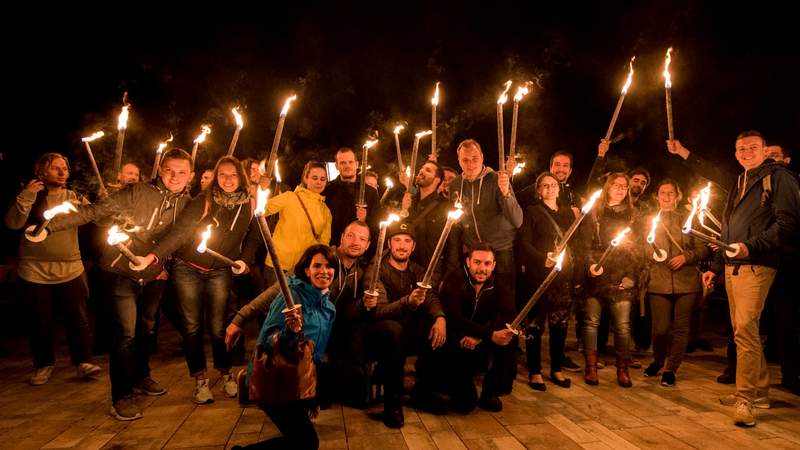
(590, 372)
(623, 377)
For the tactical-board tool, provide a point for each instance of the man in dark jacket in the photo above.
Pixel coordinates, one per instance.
(149, 209)
(476, 330)
(761, 217)
(341, 196)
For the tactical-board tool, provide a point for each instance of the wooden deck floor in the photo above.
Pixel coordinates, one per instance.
(69, 413)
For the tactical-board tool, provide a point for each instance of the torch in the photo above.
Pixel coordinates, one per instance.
(514, 326)
(157, 160)
(518, 169)
(732, 250)
(278, 180)
(205, 131)
(621, 99)
(389, 186)
(668, 92)
(414, 150)
(434, 105)
(97, 135)
(273, 153)
(239, 125)
(703, 212)
(452, 217)
(379, 254)
(117, 239)
(659, 254)
(597, 268)
(122, 125)
(500, 144)
(522, 91)
(260, 213)
(571, 230)
(37, 233)
(237, 267)
(397, 131)
(362, 202)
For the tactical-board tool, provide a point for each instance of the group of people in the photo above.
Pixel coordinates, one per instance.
(367, 316)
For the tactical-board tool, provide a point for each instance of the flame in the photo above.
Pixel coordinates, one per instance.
(390, 219)
(422, 134)
(370, 143)
(202, 247)
(590, 204)
(695, 205)
(277, 172)
(435, 99)
(630, 78)
(651, 237)
(115, 236)
(518, 169)
(286, 105)
(63, 208)
(618, 239)
(408, 171)
(238, 116)
(503, 97)
(122, 122)
(398, 129)
(163, 145)
(94, 136)
(388, 183)
(560, 259)
(667, 76)
(202, 136)
(522, 91)
(458, 205)
(455, 214)
(261, 202)
(705, 196)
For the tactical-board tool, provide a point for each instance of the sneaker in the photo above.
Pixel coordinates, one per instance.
(731, 399)
(570, 366)
(149, 386)
(668, 379)
(126, 409)
(86, 370)
(652, 370)
(229, 386)
(41, 376)
(202, 393)
(635, 364)
(744, 414)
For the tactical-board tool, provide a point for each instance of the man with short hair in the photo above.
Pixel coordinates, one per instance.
(128, 174)
(427, 211)
(371, 179)
(448, 175)
(341, 196)
(780, 154)
(476, 323)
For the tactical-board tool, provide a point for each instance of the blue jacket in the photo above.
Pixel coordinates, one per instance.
(318, 316)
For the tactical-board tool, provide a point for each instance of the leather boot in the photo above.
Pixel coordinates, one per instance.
(590, 374)
(623, 377)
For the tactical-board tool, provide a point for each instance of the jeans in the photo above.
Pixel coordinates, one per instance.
(672, 315)
(747, 288)
(620, 321)
(202, 300)
(43, 299)
(133, 310)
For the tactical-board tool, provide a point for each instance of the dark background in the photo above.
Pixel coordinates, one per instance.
(362, 68)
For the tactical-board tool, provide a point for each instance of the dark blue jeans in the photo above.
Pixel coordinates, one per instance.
(133, 311)
(620, 325)
(202, 301)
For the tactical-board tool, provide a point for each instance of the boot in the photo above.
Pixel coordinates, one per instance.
(590, 373)
(623, 377)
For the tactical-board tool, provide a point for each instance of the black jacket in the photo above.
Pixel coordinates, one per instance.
(473, 314)
(341, 196)
(394, 287)
(428, 217)
(538, 236)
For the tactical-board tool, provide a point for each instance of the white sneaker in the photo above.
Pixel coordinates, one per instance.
(41, 376)
(731, 399)
(229, 386)
(743, 414)
(86, 370)
(202, 393)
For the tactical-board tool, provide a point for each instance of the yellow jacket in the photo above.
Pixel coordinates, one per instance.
(293, 233)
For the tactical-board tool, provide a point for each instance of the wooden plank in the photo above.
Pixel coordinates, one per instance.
(570, 429)
(543, 435)
(377, 442)
(651, 438)
(476, 425)
(606, 436)
(504, 443)
(447, 440)
(216, 425)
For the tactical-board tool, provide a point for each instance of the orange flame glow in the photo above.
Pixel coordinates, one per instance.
(287, 104)
(522, 91)
(122, 121)
(504, 96)
(435, 99)
(115, 236)
(261, 203)
(64, 208)
(667, 76)
(651, 237)
(590, 204)
(203, 243)
(618, 239)
(630, 78)
(560, 259)
(202, 136)
(94, 136)
(238, 116)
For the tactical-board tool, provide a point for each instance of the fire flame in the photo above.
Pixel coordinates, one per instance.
(455, 214)
(618, 239)
(390, 219)
(705, 196)
(435, 99)
(590, 204)
(203, 243)
(630, 78)
(370, 143)
(202, 136)
(122, 122)
(261, 203)
(651, 237)
(163, 145)
(277, 172)
(398, 129)
(388, 183)
(522, 91)
(94, 136)
(422, 134)
(667, 77)
(115, 236)
(518, 169)
(560, 259)
(286, 105)
(408, 171)
(695, 206)
(238, 116)
(63, 208)
(504, 96)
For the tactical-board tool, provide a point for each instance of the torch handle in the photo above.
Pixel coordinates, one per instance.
(434, 150)
(194, 152)
(512, 144)
(234, 140)
(670, 130)
(96, 169)
(276, 264)
(711, 240)
(221, 258)
(604, 256)
(534, 298)
(412, 176)
(378, 257)
(437, 252)
(155, 166)
(400, 166)
(127, 253)
(118, 151)
(363, 182)
(39, 227)
(568, 235)
(501, 152)
(614, 117)
(273, 152)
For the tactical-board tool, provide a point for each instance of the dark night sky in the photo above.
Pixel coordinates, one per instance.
(357, 69)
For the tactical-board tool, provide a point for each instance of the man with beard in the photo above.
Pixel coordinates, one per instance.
(128, 174)
(449, 174)
(413, 315)
(341, 196)
(640, 179)
(427, 212)
(477, 331)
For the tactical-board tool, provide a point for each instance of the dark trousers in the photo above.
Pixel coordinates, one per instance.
(291, 419)
(641, 325)
(133, 312)
(533, 349)
(786, 320)
(43, 300)
(203, 302)
(462, 366)
(380, 341)
(505, 282)
(672, 315)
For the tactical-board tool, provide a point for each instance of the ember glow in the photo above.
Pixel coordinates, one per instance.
(560, 260)
(261, 201)
(390, 219)
(96, 135)
(435, 99)
(687, 227)
(667, 76)
(504, 96)
(238, 117)
(206, 130)
(388, 182)
(287, 104)
(370, 143)
(522, 91)
(202, 247)
(651, 237)
(618, 239)
(398, 129)
(455, 214)
(122, 121)
(422, 134)
(630, 78)
(590, 204)
(115, 236)
(518, 169)
(63, 208)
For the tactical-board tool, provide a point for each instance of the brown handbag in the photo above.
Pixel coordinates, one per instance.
(278, 377)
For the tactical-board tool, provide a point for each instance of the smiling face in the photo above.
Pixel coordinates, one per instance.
(617, 190)
(355, 240)
(320, 272)
(315, 180)
(750, 152)
(176, 174)
(401, 246)
(548, 189)
(426, 175)
(561, 167)
(638, 184)
(480, 265)
(470, 158)
(667, 197)
(227, 177)
(346, 164)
